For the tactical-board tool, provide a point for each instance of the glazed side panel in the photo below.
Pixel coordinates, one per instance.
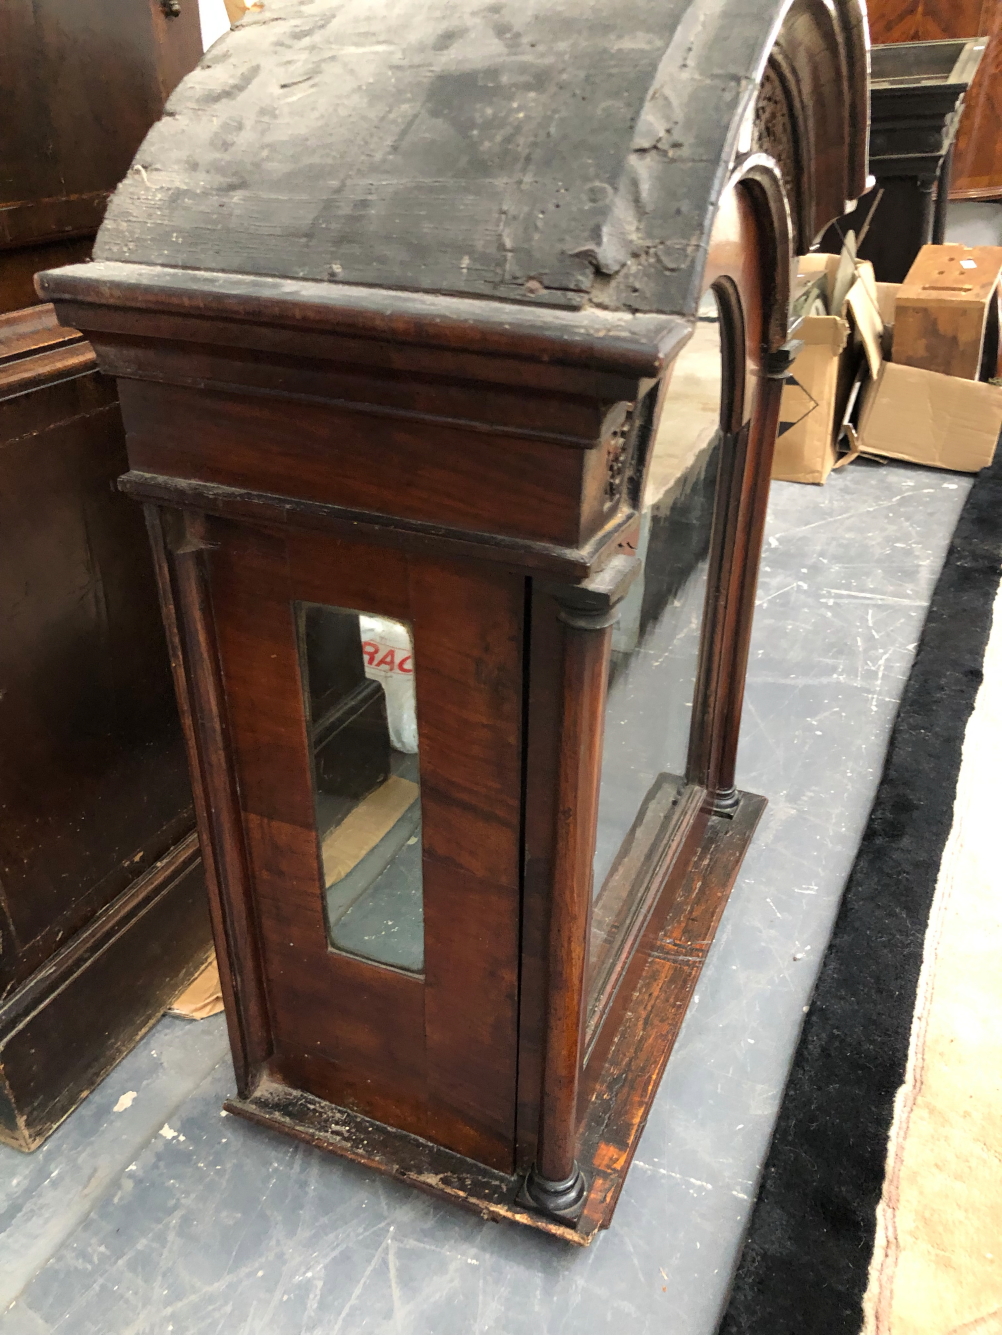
(433, 1055)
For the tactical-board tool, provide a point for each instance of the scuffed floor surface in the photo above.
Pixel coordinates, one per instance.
(168, 1217)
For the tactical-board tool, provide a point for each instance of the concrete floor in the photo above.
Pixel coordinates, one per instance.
(975, 222)
(167, 1216)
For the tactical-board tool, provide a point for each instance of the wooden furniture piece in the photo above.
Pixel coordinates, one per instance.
(947, 311)
(917, 94)
(977, 166)
(454, 367)
(80, 84)
(102, 910)
(102, 902)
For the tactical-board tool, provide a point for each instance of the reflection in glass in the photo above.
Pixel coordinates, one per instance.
(655, 647)
(358, 673)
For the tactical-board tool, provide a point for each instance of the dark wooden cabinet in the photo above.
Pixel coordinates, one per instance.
(917, 92)
(102, 903)
(80, 84)
(451, 383)
(102, 912)
(977, 163)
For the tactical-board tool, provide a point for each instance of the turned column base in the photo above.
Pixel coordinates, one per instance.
(563, 1200)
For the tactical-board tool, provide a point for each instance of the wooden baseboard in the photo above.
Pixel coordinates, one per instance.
(625, 1090)
(78, 1015)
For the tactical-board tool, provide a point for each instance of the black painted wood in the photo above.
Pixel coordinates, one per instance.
(564, 154)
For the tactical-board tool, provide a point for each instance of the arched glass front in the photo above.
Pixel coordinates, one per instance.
(655, 663)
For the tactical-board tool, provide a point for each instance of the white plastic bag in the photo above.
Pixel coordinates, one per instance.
(389, 658)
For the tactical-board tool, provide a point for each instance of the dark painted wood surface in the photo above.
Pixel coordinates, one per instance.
(563, 155)
(81, 1012)
(94, 782)
(102, 912)
(80, 85)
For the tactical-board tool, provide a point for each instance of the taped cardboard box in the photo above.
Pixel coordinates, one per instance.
(948, 311)
(924, 417)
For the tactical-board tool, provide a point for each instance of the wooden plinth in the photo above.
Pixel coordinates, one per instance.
(622, 1099)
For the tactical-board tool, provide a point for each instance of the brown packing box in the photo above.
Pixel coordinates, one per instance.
(944, 307)
(887, 296)
(923, 417)
(805, 446)
(820, 380)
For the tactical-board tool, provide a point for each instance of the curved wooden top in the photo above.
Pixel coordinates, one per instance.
(554, 152)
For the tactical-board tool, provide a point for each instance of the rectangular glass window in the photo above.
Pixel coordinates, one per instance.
(655, 650)
(358, 687)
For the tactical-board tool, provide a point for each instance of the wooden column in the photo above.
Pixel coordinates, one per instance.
(179, 546)
(587, 613)
(745, 560)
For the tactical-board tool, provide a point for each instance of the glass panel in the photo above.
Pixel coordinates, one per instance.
(655, 647)
(358, 683)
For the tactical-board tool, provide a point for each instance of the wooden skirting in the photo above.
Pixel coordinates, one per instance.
(79, 1014)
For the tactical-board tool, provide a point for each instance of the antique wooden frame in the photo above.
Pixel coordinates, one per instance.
(270, 423)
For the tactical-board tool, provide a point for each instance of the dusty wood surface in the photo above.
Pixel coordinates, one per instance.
(563, 154)
(80, 85)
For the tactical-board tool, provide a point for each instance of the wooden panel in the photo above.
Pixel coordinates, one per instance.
(18, 268)
(653, 1015)
(80, 84)
(671, 960)
(66, 1028)
(435, 1056)
(924, 20)
(100, 788)
(977, 162)
(436, 474)
(468, 656)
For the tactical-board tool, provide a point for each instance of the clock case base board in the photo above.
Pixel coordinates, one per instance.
(671, 958)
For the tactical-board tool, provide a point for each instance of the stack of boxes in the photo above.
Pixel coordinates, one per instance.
(903, 371)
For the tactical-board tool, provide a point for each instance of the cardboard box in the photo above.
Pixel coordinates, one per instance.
(805, 441)
(943, 306)
(887, 297)
(887, 300)
(924, 417)
(821, 379)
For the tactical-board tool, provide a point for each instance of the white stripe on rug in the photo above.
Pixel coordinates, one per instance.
(937, 1261)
